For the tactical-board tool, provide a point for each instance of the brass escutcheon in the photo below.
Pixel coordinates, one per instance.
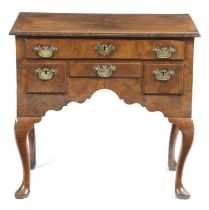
(164, 52)
(45, 51)
(45, 73)
(105, 71)
(163, 75)
(104, 49)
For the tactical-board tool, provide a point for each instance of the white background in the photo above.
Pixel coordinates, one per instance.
(103, 154)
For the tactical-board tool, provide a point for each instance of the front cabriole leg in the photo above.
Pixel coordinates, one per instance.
(22, 126)
(186, 126)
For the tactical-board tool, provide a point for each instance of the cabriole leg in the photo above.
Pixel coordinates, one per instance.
(22, 126)
(186, 126)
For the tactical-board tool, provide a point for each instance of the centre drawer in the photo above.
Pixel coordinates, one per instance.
(102, 69)
(64, 48)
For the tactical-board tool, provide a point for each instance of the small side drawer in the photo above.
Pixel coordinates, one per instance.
(163, 79)
(46, 77)
(101, 68)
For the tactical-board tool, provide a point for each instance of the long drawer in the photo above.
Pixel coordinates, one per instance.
(104, 49)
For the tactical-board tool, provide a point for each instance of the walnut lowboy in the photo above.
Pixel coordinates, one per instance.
(141, 59)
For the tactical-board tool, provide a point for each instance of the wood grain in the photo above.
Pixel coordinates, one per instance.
(105, 25)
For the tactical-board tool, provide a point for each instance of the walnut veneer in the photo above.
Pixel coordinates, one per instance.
(145, 59)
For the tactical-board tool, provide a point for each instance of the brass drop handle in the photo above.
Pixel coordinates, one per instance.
(45, 73)
(45, 51)
(163, 75)
(105, 71)
(164, 52)
(104, 49)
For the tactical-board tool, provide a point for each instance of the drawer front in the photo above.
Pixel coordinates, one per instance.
(46, 77)
(104, 48)
(104, 69)
(163, 79)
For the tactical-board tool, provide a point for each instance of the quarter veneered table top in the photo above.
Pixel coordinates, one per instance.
(104, 25)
